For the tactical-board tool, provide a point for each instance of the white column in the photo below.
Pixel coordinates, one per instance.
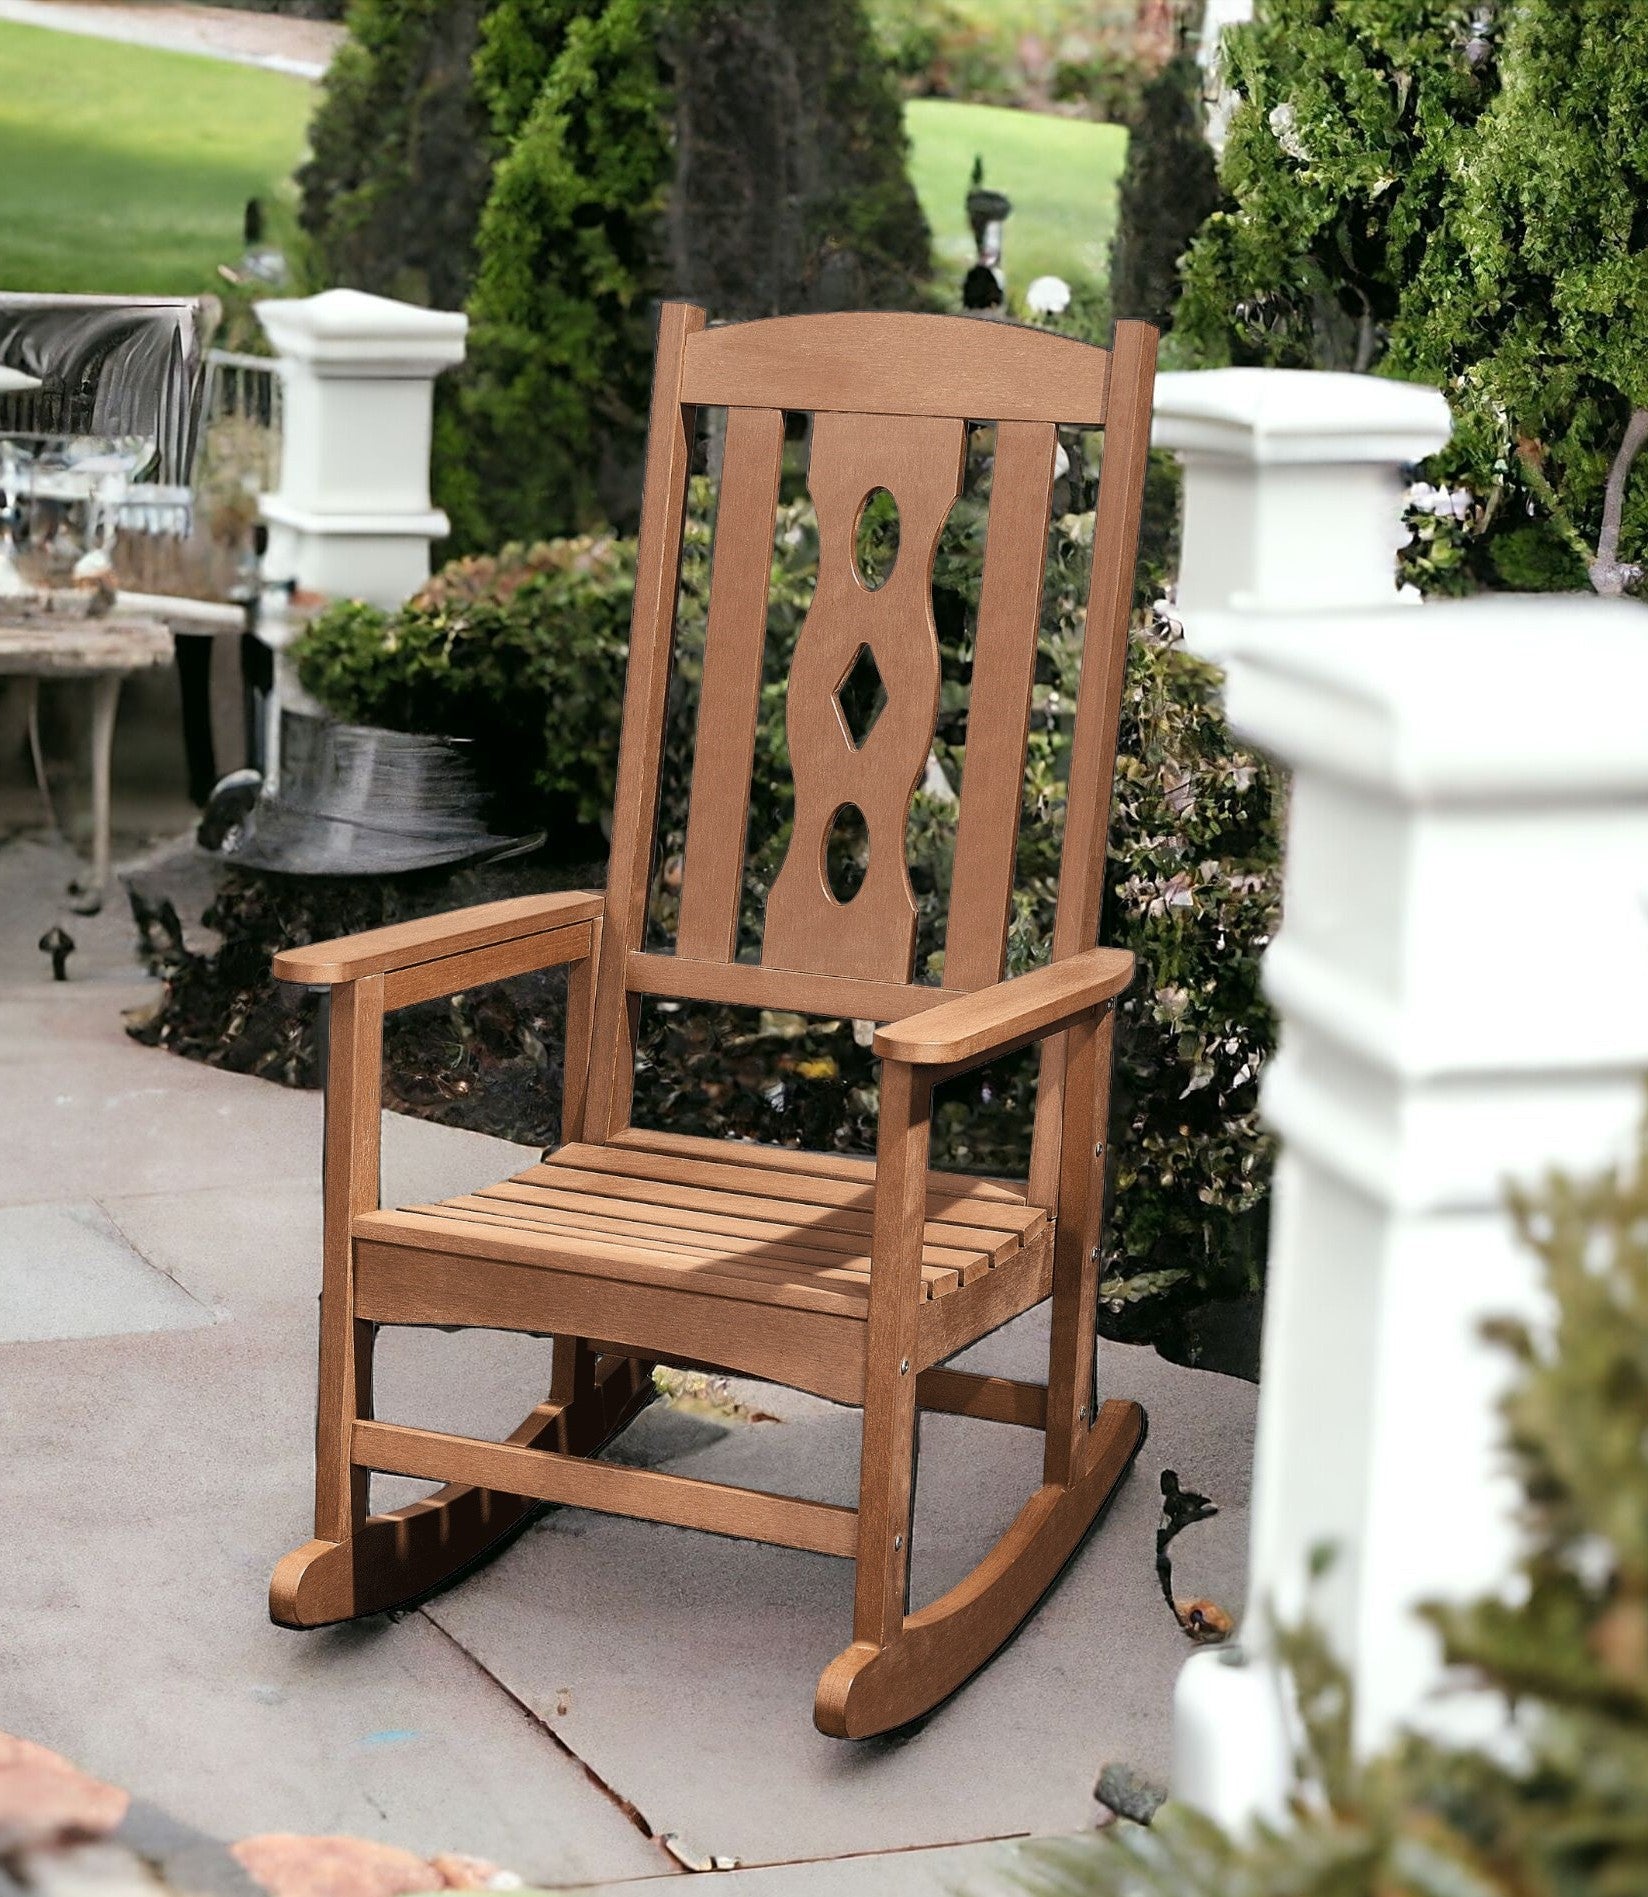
(1462, 987)
(352, 515)
(1293, 484)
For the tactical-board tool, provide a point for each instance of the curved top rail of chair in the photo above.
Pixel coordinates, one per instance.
(891, 362)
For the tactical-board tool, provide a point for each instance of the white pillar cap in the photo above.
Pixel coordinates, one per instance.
(1291, 416)
(1531, 697)
(347, 332)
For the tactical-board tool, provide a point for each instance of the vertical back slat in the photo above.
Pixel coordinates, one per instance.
(1098, 710)
(998, 723)
(640, 751)
(1104, 645)
(729, 699)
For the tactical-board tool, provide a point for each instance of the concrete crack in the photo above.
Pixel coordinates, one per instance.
(627, 1806)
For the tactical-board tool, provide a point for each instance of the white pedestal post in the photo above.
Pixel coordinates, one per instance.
(1293, 484)
(1462, 985)
(352, 516)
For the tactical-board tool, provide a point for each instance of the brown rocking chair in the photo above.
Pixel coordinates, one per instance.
(853, 1279)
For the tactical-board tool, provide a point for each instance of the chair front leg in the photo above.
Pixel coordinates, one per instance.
(887, 1468)
(350, 1185)
(1085, 1112)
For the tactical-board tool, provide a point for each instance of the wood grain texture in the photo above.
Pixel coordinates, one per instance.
(1098, 708)
(858, 1281)
(946, 1325)
(427, 938)
(848, 1166)
(576, 1482)
(749, 985)
(874, 1688)
(820, 1351)
(872, 936)
(580, 1025)
(886, 1492)
(1070, 1356)
(971, 1028)
(894, 363)
(397, 1559)
(474, 968)
(670, 429)
(735, 641)
(351, 1169)
(991, 1399)
(1104, 652)
(998, 719)
(955, 1197)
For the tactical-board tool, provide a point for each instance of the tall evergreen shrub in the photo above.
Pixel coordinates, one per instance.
(1454, 193)
(400, 153)
(1169, 188)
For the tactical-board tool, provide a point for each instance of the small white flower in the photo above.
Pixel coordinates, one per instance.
(1283, 121)
(1047, 296)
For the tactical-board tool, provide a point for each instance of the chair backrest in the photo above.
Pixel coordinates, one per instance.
(891, 397)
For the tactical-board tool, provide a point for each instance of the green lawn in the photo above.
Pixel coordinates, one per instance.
(124, 169)
(1060, 173)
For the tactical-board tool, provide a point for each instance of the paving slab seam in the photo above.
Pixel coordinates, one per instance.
(627, 1806)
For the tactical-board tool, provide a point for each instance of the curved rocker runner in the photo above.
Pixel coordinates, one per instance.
(855, 1279)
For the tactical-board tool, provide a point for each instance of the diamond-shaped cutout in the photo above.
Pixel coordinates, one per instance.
(860, 696)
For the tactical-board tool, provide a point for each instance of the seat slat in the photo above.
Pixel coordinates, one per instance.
(771, 1264)
(828, 1243)
(849, 1166)
(822, 1227)
(952, 1246)
(492, 1238)
(953, 1208)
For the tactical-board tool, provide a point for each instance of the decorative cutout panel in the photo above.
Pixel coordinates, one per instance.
(919, 460)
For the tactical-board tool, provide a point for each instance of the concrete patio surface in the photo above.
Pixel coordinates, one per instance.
(610, 1701)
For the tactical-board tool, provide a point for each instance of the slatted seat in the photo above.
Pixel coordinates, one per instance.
(858, 1280)
(749, 1228)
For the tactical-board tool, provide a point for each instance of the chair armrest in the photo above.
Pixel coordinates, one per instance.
(972, 1028)
(404, 945)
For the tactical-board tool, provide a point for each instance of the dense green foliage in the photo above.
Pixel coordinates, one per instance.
(1531, 301)
(1567, 1814)
(399, 153)
(1031, 53)
(1452, 193)
(523, 652)
(546, 422)
(534, 650)
(558, 166)
(1169, 188)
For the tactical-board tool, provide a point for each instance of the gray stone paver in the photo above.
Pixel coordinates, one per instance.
(160, 1476)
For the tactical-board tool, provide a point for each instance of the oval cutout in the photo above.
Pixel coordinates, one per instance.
(846, 853)
(875, 539)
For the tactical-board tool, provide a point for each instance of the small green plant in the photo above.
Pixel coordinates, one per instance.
(1567, 1816)
(523, 651)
